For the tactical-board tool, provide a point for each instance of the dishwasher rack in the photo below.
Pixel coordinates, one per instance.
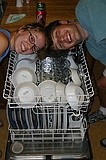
(86, 83)
(51, 127)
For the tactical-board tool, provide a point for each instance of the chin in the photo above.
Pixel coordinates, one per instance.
(17, 51)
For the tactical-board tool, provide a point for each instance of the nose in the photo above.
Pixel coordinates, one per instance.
(61, 38)
(30, 46)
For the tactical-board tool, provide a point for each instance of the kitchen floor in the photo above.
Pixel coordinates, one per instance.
(96, 132)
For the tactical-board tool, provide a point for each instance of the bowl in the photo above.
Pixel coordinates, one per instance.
(48, 90)
(72, 63)
(23, 75)
(74, 95)
(26, 94)
(60, 92)
(26, 56)
(75, 77)
(25, 63)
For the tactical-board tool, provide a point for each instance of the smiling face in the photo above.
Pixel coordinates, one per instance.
(21, 41)
(66, 36)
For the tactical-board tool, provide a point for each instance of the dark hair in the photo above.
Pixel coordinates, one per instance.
(50, 50)
(56, 53)
(49, 29)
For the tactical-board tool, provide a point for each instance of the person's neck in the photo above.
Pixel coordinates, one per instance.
(83, 32)
(12, 40)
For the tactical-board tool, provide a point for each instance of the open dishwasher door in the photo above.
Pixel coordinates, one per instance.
(48, 151)
(51, 124)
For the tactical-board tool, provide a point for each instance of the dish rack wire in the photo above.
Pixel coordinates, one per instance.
(75, 129)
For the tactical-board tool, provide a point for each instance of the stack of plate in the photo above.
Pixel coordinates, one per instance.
(20, 118)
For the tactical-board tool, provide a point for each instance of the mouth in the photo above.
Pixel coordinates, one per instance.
(22, 47)
(69, 37)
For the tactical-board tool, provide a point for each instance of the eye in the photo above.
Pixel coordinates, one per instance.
(32, 39)
(57, 33)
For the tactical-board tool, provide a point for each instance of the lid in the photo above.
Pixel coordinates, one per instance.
(40, 5)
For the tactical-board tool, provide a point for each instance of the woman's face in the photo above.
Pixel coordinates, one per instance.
(28, 41)
(66, 36)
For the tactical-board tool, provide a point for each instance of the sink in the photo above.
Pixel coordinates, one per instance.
(2, 10)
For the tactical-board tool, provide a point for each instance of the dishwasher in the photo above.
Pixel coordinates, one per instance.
(49, 125)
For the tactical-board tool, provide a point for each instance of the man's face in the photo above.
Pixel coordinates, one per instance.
(26, 42)
(66, 36)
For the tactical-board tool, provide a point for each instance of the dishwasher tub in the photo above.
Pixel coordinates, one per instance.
(60, 132)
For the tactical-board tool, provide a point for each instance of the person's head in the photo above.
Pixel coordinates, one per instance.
(28, 39)
(63, 35)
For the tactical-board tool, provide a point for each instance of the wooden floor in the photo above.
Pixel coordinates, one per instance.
(98, 130)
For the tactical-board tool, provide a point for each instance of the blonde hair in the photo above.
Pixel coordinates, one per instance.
(41, 54)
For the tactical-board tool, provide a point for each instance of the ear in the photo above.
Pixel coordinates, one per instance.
(63, 22)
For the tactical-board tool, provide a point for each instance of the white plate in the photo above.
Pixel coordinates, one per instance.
(15, 118)
(60, 92)
(26, 118)
(26, 94)
(20, 115)
(64, 118)
(19, 122)
(44, 118)
(74, 95)
(59, 118)
(23, 75)
(23, 118)
(29, 113)
(34, 117)
(40, 118)
(10, 117)
(48, 90)
(55, 118)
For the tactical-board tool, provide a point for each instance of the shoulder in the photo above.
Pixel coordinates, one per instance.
(3, 37)
(3, 43)
(92, 5)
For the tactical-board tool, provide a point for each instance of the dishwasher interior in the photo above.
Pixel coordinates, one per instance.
(49, 124)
